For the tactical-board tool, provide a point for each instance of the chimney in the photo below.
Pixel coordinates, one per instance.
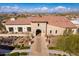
(12, 19)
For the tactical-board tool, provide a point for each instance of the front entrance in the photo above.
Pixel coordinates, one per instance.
(38, 31)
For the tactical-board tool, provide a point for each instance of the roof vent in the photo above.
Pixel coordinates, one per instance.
(12, 19)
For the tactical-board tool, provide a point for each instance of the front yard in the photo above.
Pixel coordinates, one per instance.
(69, 44)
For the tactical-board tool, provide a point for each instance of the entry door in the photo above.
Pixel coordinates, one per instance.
(38, 31)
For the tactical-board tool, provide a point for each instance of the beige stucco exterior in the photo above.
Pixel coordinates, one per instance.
(15, 27)
(43, 26)
(54, 29)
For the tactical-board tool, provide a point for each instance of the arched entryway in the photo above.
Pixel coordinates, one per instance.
(38, 31)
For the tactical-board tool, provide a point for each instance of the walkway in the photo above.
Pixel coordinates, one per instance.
(23, 50)
(39, 47)
(58, 52)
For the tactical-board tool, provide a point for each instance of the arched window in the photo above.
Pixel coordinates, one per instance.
(38, 24)
(28, 28)
(56, 32)
(50, 31)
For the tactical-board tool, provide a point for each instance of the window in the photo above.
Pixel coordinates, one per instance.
(50, 31)
(56, 32)
(38, 24)
(11, 29)
(78, 30)
(20, 29)
(28, 28)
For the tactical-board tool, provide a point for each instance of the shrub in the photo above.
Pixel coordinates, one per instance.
(55, 54)
(26, 47)
(67, 32)
(17, 54)
(22, 47)
(23, 53)
(64, 55)
(14, 54)
(17, 46)
(69, 43)
(59, 55)
(53, 48)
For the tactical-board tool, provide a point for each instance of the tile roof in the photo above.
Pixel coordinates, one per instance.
(19, 21)
(59, 21)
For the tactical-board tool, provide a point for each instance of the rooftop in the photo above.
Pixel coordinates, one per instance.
(59, 21)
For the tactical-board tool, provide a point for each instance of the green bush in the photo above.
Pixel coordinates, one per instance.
(23, 53)
(17, 54)
(14, 54)
(17, 46)
(22, 47)
(64, 55)
(26, 47)
(55, 54)
(67, 32)
(53, 48)
(69, 43)
(59, 55)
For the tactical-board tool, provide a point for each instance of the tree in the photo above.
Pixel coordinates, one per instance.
(2, 27)
(69, 44)
(67, 32)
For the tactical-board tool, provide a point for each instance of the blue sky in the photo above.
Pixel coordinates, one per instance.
(39, 7)
(34, 5)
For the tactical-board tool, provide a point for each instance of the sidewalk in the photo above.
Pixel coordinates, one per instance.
(39, 47)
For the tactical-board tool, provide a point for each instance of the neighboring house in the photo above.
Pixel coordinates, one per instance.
(76, 22)
(54, 25)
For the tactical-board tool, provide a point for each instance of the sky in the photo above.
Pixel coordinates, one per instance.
(39, 7)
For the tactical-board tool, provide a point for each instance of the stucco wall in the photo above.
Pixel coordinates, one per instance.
(42, 27)
(34, 27)
(53, 29)
(15, 27)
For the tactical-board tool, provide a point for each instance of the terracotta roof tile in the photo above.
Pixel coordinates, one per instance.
(59, 21)
(19, 21)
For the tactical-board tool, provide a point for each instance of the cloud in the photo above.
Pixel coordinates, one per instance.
(61, 9)
(58, 9)
(44, 8)
(9, 9)
(38, 10)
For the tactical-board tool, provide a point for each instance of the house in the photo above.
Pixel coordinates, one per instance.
(54, 25)
(76, 22)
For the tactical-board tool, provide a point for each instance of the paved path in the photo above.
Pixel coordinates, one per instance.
(39, 47)
(23, 50)
(58, 52)
(29, 50)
